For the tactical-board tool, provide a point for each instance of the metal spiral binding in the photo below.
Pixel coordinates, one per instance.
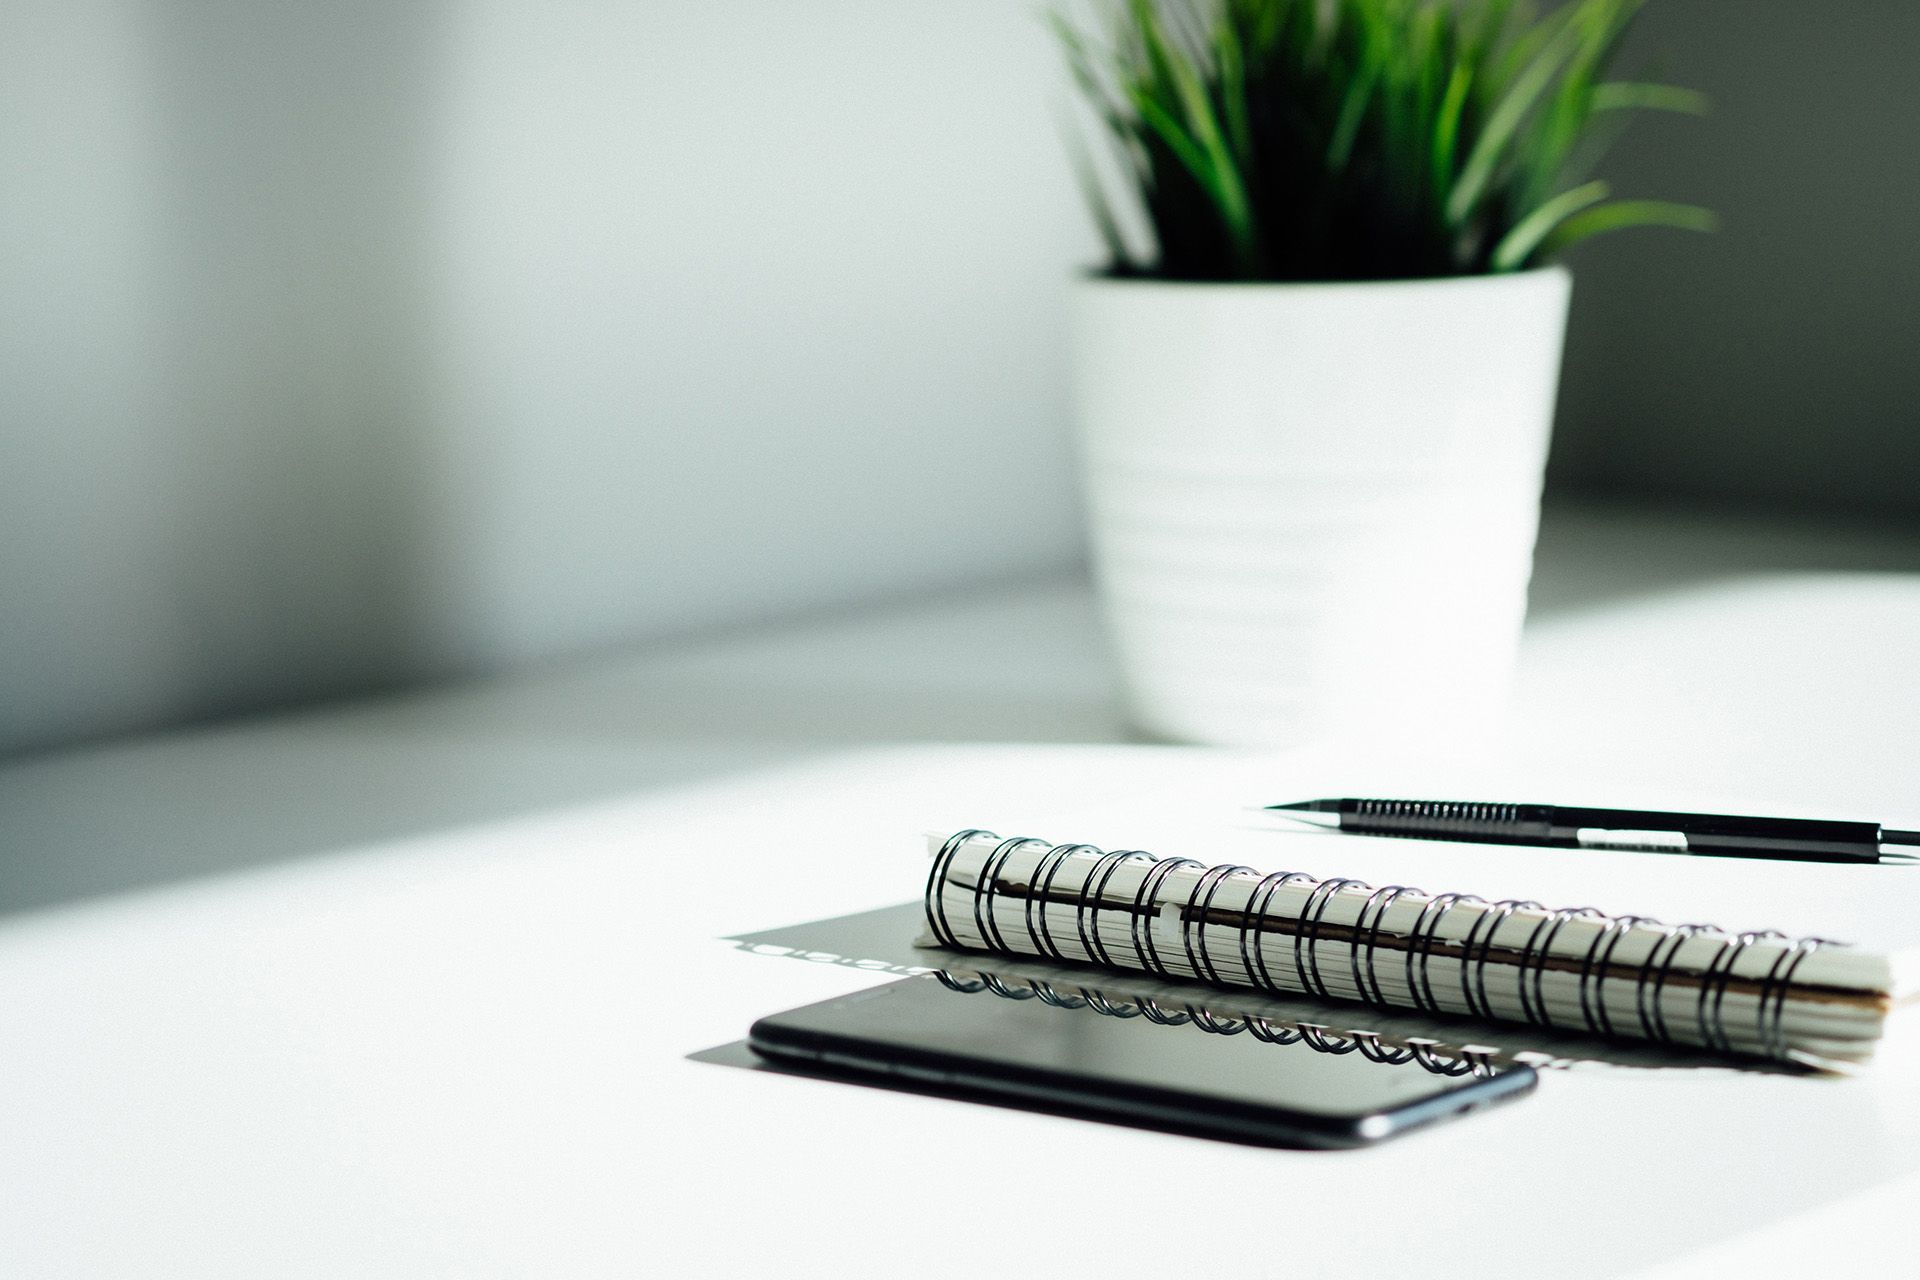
(998, 986)
(1101, 1004)
(1049, 995)
(1534, 962)
(1370, 1047)
(1262, 1029)
(1377, 903)
(1086, 911)
(1154, 1013)
(1773, 1024)
(1473, 970)
(1593, 970)
(1313, 917)
(937, 880)
(1038, 927)
(1470, 1061)
(1259, 904)
(1420, 941)
(1195, 922)
(1714, 983)
(1592, 966)
(989, 886)
(1207, 1021)
(1651, 983)
(952, 983)
(1316, 1036)
(1145, 907)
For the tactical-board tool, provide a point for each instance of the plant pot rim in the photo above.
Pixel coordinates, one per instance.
(1098, 278)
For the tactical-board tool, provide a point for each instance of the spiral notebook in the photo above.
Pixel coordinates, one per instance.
(1758, 992)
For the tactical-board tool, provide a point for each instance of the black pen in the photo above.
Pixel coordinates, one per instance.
(1560, 827)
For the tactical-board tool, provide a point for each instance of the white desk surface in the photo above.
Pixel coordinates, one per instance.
(394, 990)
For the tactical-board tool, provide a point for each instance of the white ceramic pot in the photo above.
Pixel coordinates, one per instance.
(1314, 505)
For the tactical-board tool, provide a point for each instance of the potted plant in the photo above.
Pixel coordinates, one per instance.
(1316, 376)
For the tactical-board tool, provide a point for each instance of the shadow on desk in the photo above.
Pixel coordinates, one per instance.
(1019, 666)
(1023, 663)
(1597, 557)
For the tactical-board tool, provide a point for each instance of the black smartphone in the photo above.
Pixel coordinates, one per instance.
(1134, 1061)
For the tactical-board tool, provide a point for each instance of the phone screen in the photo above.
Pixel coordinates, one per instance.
(1240, 1075)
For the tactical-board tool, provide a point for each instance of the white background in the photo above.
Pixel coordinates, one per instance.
(355, 343)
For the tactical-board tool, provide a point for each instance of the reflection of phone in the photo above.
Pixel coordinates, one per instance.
(1105, 1059)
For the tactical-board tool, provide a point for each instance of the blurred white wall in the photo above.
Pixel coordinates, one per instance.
(349, 343)
(345, 344)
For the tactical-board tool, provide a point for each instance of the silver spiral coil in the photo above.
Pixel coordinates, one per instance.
(1315, 1036)
(1178, 921)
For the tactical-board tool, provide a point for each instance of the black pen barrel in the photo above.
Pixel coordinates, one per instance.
(1719, 833)
(1663, 831)
(1450, 820)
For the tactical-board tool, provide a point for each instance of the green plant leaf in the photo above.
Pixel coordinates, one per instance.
(1518, 244)
(1176, 139)
(1542, 158)
(1625, 95)
(1446, 125)
(1213, 165)
(1353, 107)
(1503, 122)
(1512, 51)
(1231, 59)
(1621, 214)
(1354, 139)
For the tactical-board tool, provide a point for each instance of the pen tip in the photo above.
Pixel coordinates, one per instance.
(1308, 806)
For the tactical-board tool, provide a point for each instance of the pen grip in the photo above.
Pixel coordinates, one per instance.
(1450, 820)
(1733, 836)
